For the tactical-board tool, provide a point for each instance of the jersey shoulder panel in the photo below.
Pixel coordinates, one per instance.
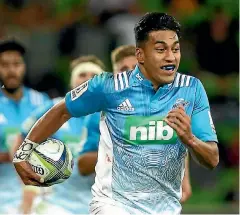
(122, 80)
(182, 80)
(36, 98)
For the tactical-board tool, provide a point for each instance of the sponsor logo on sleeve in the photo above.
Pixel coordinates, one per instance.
(78, 91)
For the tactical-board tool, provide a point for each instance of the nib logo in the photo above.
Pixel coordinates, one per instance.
(148, 130)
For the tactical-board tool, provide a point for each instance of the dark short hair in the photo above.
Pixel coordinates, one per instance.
(155, 21)
(11, 45)
(121, 52)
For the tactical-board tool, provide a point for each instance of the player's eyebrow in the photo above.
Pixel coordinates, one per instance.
(162, 42)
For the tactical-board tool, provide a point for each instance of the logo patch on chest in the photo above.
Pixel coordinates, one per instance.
(141, 130)
(126, 105)
(179, 102)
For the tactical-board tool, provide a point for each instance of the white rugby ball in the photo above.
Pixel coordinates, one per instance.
(53, 161)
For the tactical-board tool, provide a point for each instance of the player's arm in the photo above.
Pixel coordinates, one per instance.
(30, 121)
(29, 192)
(197, 133)
(77, 103)
(88, 156)
(4, 157)
(45, 127)
(186, 185)
(87, 163)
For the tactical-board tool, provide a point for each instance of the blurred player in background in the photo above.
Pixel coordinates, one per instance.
(74, 195)
(152, 116)
(123, 59)
(16, 102)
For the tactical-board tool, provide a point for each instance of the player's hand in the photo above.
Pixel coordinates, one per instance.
(181, 123)
(28, 176)
(22, 166)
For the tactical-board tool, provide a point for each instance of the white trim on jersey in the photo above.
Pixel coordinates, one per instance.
(188, 80)
(182, 80)
(177, 80)
(126, 78)
(121, 79)
(102, 188)
(35, 98)
(116, 81)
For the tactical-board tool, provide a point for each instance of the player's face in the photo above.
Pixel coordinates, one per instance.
(160, 56)
(82, 77)
(127, 63)
(12, 69)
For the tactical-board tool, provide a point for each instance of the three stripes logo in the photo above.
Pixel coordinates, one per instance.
(182, 80)
(126, 105)
(121, 81)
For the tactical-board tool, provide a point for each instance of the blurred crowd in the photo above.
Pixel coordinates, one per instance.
(56, 31)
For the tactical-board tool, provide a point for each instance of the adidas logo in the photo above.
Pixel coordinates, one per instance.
(126, 105)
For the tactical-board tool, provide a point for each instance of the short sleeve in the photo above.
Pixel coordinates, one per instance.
(87, 98)
(202, 123)
(93, 133)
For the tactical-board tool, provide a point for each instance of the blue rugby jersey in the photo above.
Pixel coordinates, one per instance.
(12, 114)
(141, 159)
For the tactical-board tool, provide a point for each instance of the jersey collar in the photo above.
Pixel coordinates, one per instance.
(139, 78)
(6, 98)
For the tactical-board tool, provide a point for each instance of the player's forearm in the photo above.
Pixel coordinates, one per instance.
(87, 163)
(49, 123)
(4, 157)
(29, 195)
(186, 185)
(186, 195)
(205, 154)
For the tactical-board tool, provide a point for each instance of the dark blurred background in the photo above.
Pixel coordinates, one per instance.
(56, 31)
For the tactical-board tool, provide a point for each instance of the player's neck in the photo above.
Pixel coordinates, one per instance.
(155, 84)
(17, 95)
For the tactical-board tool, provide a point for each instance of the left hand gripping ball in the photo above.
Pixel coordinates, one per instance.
(53, 161)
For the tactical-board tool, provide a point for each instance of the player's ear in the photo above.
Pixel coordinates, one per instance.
(139, 55)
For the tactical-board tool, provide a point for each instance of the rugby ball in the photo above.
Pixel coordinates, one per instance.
(52, 160)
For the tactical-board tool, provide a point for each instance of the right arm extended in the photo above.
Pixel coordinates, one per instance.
(45, 127)
(77, 103)
(52, 120)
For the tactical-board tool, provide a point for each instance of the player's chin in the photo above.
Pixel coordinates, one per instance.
(12, 83)
(12, 87)
(167, 79)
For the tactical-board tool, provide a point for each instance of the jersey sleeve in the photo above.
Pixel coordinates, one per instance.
(93, 133)
(87, 98)
(202, 123)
